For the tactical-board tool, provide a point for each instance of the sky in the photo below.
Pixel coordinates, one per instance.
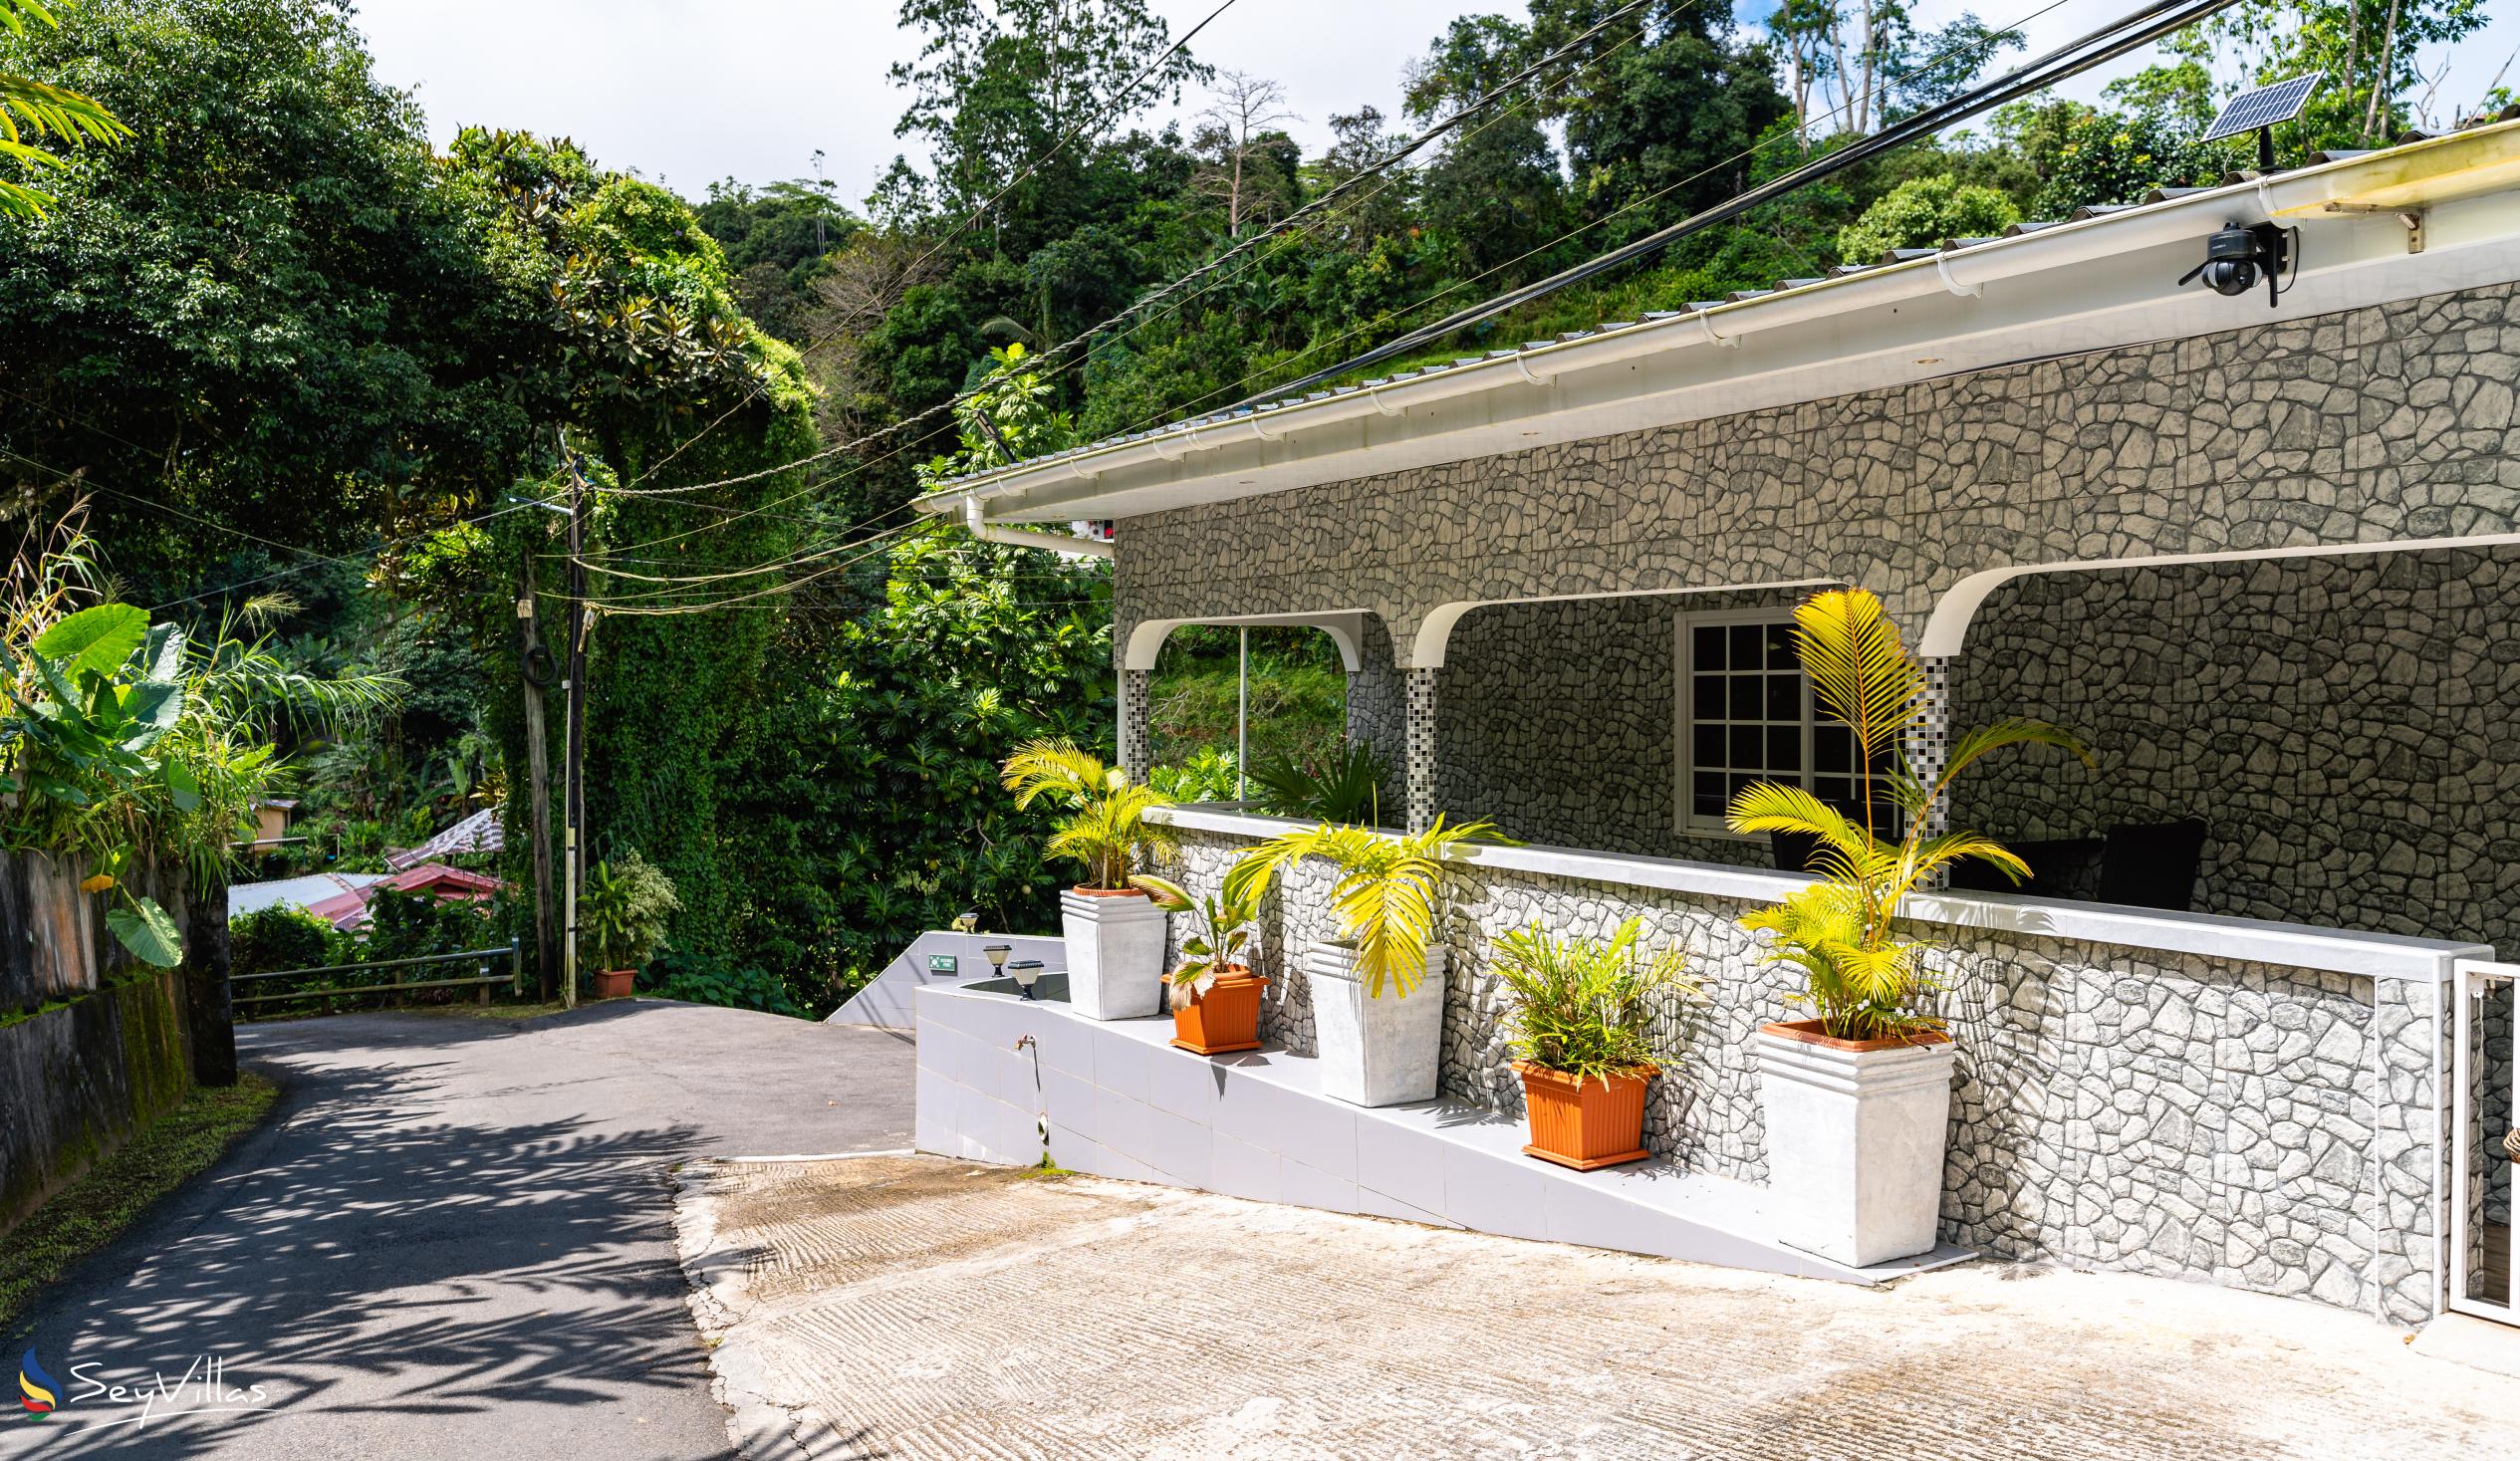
(686, 92)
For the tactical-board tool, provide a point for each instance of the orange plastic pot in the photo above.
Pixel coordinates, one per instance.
(613, 983)
(1224, 1017)
(1585, 1124)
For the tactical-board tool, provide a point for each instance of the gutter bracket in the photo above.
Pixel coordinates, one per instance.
(1262, 431)
(2410, 220)
(1376, 396)
(1525, 366)
(1942, 271)
(1077, 470)
(1155, 444)
(1708, 325)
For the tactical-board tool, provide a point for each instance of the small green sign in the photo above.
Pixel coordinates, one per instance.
(944, 964)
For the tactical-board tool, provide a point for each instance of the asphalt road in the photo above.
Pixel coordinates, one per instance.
(454, 1239)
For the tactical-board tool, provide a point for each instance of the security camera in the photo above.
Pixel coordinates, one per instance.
(2237, 257)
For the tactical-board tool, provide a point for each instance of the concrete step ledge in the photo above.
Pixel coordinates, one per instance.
(1118, 1101)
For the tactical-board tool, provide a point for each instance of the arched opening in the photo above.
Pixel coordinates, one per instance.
(1283, 713)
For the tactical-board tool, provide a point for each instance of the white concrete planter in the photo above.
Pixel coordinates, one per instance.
(1115, 954)
(1374, 1052)
(1854, 1142)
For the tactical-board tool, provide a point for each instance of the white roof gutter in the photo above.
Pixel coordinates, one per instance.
(1064, 543)
(2460, 164)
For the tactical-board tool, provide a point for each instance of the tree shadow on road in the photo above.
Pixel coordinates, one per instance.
(464, 1265)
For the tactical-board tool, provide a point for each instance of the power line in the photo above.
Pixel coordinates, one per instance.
(2138, 28)
(974, 217)
(1279, 230)
(1393, 158)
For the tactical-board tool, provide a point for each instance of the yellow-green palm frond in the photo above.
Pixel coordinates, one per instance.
(1042, 767)
(1846, 849)
(1858, 670)
(2017, 731)
(1927, 855)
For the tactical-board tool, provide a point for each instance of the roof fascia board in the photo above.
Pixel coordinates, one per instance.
(1834, 338)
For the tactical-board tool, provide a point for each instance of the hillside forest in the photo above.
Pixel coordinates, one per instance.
(287, 361)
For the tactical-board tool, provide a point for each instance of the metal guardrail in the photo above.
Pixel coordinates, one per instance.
(513, 951)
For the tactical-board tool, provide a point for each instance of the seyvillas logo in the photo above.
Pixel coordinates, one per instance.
(37, 1391)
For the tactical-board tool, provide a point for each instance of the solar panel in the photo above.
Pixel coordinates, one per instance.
(2264, 106)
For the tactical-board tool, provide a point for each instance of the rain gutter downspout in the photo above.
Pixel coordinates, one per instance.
(982, 528)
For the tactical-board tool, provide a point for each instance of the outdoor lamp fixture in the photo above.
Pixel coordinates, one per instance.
(2236, 256)
(1025, 972)
(967, 921)
(998, 953)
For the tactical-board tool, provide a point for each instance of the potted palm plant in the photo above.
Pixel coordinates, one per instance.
(1115, 933)
(1583, 1021)
(622, 913)
(1374, 1050)
(1215, 996)
(1859, 1095)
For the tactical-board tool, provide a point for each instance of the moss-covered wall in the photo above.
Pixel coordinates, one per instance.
(79, 1076)
(97, 1050)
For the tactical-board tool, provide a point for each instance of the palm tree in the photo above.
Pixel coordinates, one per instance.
(31, 110)
(1105, 826)
(1384, 899)
(1840, 931)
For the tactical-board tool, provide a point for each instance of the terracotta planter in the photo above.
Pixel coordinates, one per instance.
(613, 983)
(1224, 1017)
(1584, 1124)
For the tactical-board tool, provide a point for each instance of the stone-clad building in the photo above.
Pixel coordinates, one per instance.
(2265, 556)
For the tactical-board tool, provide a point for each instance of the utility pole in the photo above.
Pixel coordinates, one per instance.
(821, 204)
(535, 669)
(574, 752)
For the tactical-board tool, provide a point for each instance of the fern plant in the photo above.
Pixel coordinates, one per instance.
(1385, 900)
(1105, 826)
(1841, 933)
(1585, 1006)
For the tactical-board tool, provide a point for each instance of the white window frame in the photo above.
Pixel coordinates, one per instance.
(1683, 751)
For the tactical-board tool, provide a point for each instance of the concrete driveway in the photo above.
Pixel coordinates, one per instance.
(454, 1240)
(935, 1310)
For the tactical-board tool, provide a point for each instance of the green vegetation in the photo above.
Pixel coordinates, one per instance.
(1222, 927)
(623, 913)
(1585, 1006)
(108, 1198)
(704, 981)
(32, 111)
(288, 344)
(1841, 931)
(1344, 783)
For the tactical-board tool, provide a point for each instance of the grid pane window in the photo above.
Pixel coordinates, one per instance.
(1747, 715)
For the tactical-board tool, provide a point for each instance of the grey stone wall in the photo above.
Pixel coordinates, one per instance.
(1556, 721)
(2368, 426)
(1378, 707)
(2162, 1114)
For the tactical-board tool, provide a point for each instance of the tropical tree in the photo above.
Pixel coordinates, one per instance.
(1841, 931)
(31, 111)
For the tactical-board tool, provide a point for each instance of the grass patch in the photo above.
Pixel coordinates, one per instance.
(106, 1199)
